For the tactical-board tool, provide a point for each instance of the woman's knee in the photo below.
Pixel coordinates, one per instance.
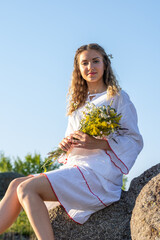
(14, 183)
(37, 186)
(23, 190)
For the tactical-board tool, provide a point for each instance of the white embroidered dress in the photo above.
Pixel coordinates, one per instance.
(90, 180)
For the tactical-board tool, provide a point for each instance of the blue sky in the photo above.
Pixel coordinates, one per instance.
(38, 40)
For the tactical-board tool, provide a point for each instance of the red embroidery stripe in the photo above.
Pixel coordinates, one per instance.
(57, 197)
(63, 161)
(89, 186)
(117, 158)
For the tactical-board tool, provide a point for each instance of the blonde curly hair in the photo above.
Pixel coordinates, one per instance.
(78, 90)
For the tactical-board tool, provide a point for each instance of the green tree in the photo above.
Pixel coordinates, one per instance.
(5, 163)
(30, 164)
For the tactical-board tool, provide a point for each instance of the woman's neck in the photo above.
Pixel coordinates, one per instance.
(96, 89)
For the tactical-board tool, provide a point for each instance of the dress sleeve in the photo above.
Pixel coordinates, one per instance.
(70, 128)
(126, 146)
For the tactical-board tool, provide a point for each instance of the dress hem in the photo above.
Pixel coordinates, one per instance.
(58, 198)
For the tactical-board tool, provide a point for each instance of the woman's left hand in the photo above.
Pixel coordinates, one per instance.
(83, 140)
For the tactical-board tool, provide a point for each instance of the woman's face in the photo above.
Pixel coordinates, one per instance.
(91, 66)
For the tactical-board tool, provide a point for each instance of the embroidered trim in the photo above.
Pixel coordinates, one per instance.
(63, 161)
(58, 198)
(117, 158)
(89, 187)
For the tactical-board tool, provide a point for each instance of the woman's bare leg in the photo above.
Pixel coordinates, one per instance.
(32, 193)
(10, 206)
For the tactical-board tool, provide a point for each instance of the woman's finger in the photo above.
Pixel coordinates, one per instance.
(65, 144)
(78, 135)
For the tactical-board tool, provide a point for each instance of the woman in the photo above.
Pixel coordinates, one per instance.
(91, 177)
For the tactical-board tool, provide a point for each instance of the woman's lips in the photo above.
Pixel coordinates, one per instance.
(92, 73)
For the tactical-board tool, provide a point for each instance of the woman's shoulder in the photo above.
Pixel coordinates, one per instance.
(76, 112)
(122, 97)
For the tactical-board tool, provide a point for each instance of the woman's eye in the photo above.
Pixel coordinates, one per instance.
(96, 61)
(84, 63)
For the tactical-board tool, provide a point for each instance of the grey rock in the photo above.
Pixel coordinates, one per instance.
(5, 179)
(111, 223)
(145, 221)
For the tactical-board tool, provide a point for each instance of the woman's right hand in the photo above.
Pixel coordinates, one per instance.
(65, 144)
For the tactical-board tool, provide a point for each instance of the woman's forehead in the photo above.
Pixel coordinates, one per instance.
(89, 55)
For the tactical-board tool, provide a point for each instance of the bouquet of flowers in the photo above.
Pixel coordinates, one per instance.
(96, 121)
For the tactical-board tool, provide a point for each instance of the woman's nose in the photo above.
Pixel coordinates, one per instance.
(90, 66)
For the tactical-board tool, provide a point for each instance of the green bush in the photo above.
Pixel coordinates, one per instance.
(30, 164)
(124, 182)
(5, 164)
(22, 225)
